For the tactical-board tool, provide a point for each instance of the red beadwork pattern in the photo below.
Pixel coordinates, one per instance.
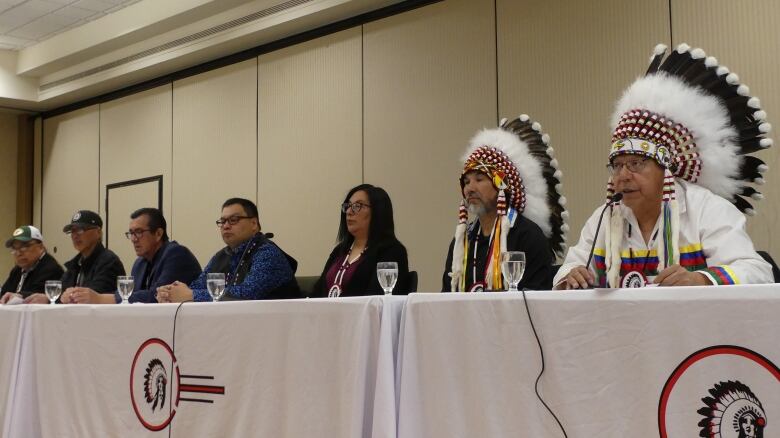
(501, 203)
(494, 162)
(685, 161)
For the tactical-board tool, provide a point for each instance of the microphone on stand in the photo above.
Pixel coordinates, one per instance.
(615, 198)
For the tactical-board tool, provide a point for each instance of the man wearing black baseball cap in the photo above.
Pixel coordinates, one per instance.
(33, 267)
(94, 269)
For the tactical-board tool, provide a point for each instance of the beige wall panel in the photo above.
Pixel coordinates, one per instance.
(122, 202)
(37, 154)
(70, 174)
(310, 142)
(9, 127)
(565, 64)
(744, 36)
(214, 151)
(429, 86)
(135, 142)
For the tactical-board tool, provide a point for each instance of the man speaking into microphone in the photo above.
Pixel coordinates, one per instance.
(679, 172)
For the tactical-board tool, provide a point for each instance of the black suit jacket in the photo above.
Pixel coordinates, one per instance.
(364, 280)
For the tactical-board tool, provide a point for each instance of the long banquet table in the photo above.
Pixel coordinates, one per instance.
(617, 363)
(283, 368)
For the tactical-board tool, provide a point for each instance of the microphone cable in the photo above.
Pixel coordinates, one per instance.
(173, 355)
(610, 202)
(539, 377)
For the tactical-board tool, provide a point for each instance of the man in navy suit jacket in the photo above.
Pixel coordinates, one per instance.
(160, 260)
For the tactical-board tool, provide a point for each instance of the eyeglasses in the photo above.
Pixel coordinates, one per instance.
(79, 230)
(23, 248)
(135, 233)
(232, 220)
(632, 166)
(354, 206)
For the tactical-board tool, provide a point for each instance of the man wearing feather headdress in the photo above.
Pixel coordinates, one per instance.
(679, 169)
(510, 185)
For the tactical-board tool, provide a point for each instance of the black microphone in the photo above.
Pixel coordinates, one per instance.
(615, 198)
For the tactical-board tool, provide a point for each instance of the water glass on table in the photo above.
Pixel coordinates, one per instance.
(215, 283)
(387, 273)
(53, 290)
(513, 266)
(125, 285)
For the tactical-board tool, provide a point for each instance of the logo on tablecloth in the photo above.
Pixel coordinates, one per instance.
(715, 393)
(732, 410)
(157, 385)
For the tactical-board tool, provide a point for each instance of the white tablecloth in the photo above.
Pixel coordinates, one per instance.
(10, 345)
(288, 368)
(618, 363)
(468, 362)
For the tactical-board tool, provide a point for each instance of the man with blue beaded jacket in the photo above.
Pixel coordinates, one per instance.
(254, 267)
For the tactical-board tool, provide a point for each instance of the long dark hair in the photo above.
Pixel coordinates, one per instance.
(381, 228)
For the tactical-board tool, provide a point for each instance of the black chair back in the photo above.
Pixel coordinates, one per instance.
(553, 272)
(775, 269)
(306, 284)
(412, 286)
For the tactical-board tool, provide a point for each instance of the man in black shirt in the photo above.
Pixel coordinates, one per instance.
(33, 267)
(94, 268)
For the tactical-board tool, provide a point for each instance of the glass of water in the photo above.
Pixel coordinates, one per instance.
(387, 273)
(125, 285)
(513, 266)
(215, 282)
(53, 290)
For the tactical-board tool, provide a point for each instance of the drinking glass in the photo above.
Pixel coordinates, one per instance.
(125, 284)
(387, 273)
(215, 282)
(513, 266)
(53, 290)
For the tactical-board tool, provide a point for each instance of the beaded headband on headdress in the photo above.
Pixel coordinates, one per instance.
(502, 172)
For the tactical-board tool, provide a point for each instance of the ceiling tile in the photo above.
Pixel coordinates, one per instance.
(5, 4)
(27, 12)
(74, 12)
(35, 20)
(94, 5)
(37, 29)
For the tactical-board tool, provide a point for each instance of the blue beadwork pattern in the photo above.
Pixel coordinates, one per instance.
(269, 270)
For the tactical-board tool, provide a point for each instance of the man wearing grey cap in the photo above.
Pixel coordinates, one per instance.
(94, 269)
(33, 267)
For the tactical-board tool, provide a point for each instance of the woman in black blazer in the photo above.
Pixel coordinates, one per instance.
(366, 236)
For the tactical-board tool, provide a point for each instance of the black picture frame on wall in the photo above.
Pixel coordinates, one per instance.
(148, 180)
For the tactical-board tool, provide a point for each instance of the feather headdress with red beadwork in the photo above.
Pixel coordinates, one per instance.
(520, 163)
(695, 118)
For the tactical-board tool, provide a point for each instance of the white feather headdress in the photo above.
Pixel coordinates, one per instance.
(700, 124)
(520, 162)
